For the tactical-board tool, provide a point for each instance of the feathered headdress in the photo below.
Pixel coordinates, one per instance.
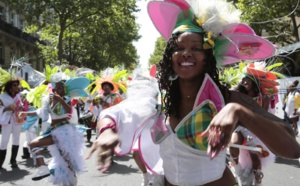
(74, 87)
(5, 77)
(115, 78)
(218, 21)
(263, 76)
(34, 96)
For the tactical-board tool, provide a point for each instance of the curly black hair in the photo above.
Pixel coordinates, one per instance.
(8, 86)
(170, 99)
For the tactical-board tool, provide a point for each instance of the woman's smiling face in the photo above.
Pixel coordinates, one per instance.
(188, 58)
(247, 83)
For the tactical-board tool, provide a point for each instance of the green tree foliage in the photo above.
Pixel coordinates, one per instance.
(160, 46)
(89, 33)
(276, 18)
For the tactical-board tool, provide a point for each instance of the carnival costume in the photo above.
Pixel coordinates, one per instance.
(67, 150)
(9, 120)
(182, 155)
(113, 80)
(10, 125)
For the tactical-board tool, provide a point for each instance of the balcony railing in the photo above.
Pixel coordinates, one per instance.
(10, 29)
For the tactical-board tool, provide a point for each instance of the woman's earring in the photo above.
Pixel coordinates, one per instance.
(173, 77)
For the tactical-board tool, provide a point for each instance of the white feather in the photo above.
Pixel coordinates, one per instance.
(215, 14)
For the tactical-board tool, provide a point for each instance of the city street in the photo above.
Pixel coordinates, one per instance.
(124, 172)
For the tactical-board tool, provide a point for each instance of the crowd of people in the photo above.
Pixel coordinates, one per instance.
(177, 122)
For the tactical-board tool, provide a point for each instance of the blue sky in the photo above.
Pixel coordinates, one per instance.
(149, 34)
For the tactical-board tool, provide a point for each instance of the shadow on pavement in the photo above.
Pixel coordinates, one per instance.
(119, 169)
(88, 144)
(29, 162)
(292, 162)
(121, 158)
(12, 175)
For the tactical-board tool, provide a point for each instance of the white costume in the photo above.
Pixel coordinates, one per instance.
(68, 146)
(289, 109)
(30, 128)
(8, 120)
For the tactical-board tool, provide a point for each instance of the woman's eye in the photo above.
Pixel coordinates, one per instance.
(178, 49)
(198, 49)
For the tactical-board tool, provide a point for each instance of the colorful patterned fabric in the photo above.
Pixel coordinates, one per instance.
(49, 130)
(190, 129)
(58, 109)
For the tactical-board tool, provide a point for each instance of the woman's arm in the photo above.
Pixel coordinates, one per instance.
(67, 106)
(24, 114)
(271, 130)
(105, 143)
(277, 135)
(10, 107)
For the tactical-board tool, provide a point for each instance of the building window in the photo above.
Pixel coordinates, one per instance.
(22, 24)
(12, 52)
(12, 19)
(1, 54)
(1, 13)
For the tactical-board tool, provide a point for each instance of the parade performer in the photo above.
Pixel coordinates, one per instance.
(10, 106)
(258, 83)
(292, 104)
(107, 87)
(64, 140)
(199, 114)
(110, 85)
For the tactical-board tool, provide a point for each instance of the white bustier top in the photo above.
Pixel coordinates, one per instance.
(186, 166)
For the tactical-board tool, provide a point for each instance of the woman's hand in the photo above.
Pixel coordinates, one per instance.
(55, 97)
(22, 114)
(104, 146)
(20, 107)
(220, 129)
(11, 107)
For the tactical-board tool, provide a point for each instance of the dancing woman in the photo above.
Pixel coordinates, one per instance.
(65, 140)
(200, 115)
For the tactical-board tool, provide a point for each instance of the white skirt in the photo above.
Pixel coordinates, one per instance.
(67, 154)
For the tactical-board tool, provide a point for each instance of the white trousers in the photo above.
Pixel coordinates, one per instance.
(31, 133)
(15, 130)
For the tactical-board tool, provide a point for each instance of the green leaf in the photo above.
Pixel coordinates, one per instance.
(269, 68)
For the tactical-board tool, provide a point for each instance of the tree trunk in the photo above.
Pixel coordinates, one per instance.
(295, 26)
(60, 40)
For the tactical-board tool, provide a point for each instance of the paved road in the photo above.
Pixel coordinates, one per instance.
(125, 173)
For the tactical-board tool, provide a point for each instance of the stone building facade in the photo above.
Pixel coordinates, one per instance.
(14, 43)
